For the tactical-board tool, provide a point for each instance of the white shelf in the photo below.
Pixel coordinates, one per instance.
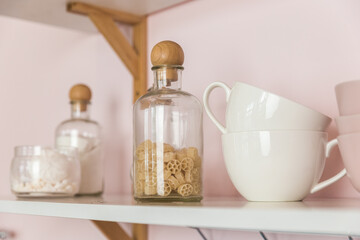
(54, 12)
(330, 216)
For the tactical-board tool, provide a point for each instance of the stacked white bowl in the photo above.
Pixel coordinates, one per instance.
(274, 149)
(348, 124)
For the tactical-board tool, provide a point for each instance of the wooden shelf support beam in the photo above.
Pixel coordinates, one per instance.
(119, 16)
(117, 40)
(134, 57)
(140, 47)
(132, 54)
(111, 230)
(140, 231)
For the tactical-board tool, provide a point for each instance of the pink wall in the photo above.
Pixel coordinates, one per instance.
(298, 49)
(38, 65)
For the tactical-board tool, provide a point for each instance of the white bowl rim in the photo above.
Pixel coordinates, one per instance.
(277, 131)
(346, 83)
(347, 116)
(286, 99)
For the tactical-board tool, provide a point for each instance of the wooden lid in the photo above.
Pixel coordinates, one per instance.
(80, 92)
(167, 53)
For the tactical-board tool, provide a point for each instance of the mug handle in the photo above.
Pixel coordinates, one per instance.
(335, 178)
(207, 92)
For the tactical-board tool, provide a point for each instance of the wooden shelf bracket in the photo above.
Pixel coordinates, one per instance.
(113, 231)
(133, 55)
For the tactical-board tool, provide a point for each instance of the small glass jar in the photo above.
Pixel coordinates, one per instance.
(38, 171)
(168, 137)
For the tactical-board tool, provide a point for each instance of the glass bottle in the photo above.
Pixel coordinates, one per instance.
(84, 134)
(168, 134)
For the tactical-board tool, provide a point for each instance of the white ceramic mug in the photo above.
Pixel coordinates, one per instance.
(250, 109)
(348, 98)
(277, 165)
(349, 145)
(348, 124)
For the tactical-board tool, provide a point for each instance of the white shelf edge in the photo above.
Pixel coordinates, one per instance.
(341, 217)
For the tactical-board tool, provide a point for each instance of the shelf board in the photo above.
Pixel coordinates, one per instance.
(330, 216)
(54, 12)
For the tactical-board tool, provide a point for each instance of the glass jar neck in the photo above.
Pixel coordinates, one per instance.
(80, 110)
(167, 77)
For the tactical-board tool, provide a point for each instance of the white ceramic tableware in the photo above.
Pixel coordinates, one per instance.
(350, 153)
(348, 124)
(348, 97)
(250, 108)
(277, 165)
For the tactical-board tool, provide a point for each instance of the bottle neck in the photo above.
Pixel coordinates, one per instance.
(167, 77)
(80, 110)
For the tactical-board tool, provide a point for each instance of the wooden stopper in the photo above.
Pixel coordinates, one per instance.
(81, 94)
(168, 53)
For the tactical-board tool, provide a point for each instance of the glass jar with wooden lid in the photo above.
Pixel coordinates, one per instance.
(83, 133)
(168, 134)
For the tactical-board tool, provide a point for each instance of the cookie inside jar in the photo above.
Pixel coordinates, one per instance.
(165, 173)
